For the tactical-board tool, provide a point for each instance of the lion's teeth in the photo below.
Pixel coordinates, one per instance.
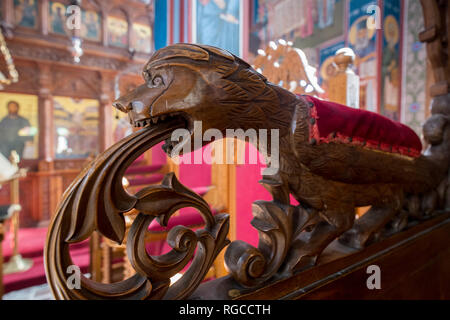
(154, 120)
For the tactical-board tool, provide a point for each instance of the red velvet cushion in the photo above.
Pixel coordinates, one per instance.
(338, 123)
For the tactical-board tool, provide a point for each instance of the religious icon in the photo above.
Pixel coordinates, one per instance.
(117, 32)
(16, 132)
(57, 17)
(90, 28)
(218, 24)
(141, 37)
(76, 127)
(361, 38)
(26, 13)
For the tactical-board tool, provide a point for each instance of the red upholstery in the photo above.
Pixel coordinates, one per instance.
(31, 246)
(335, 122)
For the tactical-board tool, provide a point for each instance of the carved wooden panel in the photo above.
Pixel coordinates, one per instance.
(153, 273)
(81, 83)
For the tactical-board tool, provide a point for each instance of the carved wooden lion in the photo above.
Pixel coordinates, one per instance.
(332, 158)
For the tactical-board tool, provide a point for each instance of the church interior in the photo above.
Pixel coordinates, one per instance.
(94, 206)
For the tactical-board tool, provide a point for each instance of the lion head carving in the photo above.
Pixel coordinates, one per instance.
(208, 84)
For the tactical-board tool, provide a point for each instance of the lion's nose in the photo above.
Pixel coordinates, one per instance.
(118, 105)
(121, 106)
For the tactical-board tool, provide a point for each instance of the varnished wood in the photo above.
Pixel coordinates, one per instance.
(343, 86)
(223, 197)
(323, 178)
(436, 20)
(226, 93)
(342, 273)
(153, 275)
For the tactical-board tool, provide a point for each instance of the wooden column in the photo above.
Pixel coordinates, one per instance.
(8, 11)
(106, 115)
(105, 136)
(45, 105)
(43, 13)
(223, 197)
(95, 265)
(47, 184)
(344, 86)
(104, 28)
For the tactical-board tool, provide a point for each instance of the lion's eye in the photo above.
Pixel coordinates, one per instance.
(157, 81)
(147, 76)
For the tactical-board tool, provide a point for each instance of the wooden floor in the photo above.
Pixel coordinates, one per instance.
(414, 264)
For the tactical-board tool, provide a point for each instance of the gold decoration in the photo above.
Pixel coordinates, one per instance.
(13, 74)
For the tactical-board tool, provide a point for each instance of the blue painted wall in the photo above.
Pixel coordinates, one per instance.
(160, 28)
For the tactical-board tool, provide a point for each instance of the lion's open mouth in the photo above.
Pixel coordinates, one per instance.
(142, 123)
(165, 118)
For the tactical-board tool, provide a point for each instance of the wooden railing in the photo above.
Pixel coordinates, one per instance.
(96, 199)
(304, 251)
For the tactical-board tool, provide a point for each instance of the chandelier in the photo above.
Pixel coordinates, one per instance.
(13, 75)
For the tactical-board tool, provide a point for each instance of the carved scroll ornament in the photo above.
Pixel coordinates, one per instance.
(96, 200)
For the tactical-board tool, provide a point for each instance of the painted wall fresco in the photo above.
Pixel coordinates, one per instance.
(91, 25)
(19, 125)
(414, 108)
(76, 127)
(141, 37)
(117, 32)
(363, 41)
(218, 23)
(26, 13)
(390, 63)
